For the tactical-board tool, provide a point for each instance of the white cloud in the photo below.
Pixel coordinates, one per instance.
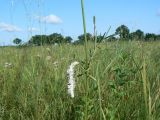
(32, 29)
(9, 27)
(52, 19)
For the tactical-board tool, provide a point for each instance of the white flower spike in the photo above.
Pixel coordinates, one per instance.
(71, 79)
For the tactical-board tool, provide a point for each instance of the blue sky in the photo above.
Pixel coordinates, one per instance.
(24, 18)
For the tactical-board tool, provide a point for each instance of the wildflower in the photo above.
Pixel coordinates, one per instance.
(48, 49)
(38, 56)
(71, 79)
(55, 44)
(48, 58)
(7, 65)
(63, 58)
(55, 63)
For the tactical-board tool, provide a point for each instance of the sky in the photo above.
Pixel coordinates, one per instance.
(25, 18)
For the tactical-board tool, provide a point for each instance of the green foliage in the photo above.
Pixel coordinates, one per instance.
(39, 40)
(35, 87)
(17, 41)
(151, 37)
(54, 38)
(100, 38)
(137, 35)
(81, 38)
(123, 32)
(68, 39)
(57, 38)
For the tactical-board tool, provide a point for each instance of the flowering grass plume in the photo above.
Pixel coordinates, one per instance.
(71, 79)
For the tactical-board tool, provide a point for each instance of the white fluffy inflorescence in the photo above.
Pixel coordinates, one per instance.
(71, 79)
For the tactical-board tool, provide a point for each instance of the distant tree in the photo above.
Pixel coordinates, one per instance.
(140, 34)
(39, 40)
(137, 35)
(68, 39)
(158, 37)
(17, 41)
(100, 38)
(81, 38)
(132, 36)
(150, 37)
(56, 38)
(123, 32)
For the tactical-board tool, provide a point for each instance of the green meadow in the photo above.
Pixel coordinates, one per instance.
(122, 82)
(97, 77)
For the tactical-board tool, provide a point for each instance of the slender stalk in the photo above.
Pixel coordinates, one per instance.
(149, 103)
(86, 54)
(99, 95)
(85, 33)
(86, 46)
(95, 34)
(146, 91)
(145, 86)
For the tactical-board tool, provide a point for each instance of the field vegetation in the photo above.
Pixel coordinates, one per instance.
(117, 77)
(123, 82)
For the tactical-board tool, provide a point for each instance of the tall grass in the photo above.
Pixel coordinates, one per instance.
(116, 81)
(88, 64)
(35, 87)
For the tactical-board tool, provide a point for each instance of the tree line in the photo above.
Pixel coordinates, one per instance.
(122, 33)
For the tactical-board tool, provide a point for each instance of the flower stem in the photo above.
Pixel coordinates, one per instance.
(85, 33)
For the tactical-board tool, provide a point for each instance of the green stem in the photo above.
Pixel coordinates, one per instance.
(95, 35)
(86, 54)
(85, 33)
